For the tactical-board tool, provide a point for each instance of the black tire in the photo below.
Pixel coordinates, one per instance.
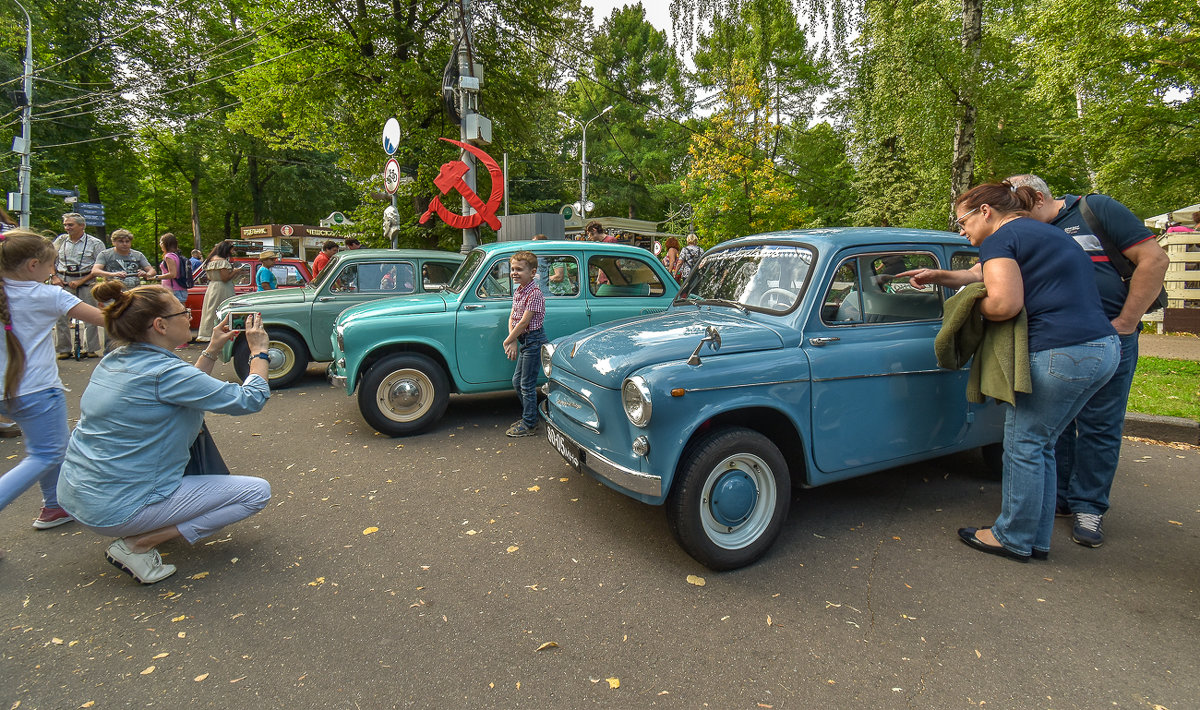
(288, 363)
(403, 394)
(993, 459)
(755, 477)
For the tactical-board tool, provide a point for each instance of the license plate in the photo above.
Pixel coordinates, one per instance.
(573, 454)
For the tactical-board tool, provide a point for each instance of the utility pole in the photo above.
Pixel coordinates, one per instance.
(25, 142)
(474, 128)
(583, 203)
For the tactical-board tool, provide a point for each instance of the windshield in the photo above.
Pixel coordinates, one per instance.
(764, 277)
(324, 275)
(465, 272)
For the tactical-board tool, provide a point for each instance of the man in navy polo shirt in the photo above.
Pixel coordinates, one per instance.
(1088, 451)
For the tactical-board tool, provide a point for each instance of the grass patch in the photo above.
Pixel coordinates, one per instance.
(1169, 388)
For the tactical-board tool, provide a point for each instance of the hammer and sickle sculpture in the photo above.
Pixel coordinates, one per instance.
(450, 178)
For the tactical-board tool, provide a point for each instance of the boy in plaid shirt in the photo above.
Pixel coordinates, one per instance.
(525, 339)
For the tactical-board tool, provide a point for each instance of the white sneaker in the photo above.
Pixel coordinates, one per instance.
(145, 567)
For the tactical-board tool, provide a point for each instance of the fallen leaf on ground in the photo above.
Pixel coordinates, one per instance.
(513, 548)
(548, 644)
(179, 618)
(768, 619)
(200, 677)
(317, 582)
(88, 704)
(148, 671)
(56, 641)
(693, 579)
(534, 489)
(1174, 522)
(613, 682)
(370, 530)
(164, 654)
(199, 575)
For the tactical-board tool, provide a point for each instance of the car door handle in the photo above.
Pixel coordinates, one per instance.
(325, 299)
(822, 342)
(473, 307)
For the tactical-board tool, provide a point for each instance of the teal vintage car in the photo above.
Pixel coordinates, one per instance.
(788, 360)
(300, 320)
(405, 356)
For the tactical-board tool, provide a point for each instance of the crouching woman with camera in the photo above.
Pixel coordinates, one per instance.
(124, 474)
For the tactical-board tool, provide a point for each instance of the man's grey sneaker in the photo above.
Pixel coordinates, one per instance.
(1088, 529)
(145, 567)
(521, 429)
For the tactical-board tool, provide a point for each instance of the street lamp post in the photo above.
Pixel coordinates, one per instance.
(583, 158)
(26, 119)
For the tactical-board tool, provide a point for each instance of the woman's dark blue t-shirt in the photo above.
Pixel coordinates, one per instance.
(1061, 297)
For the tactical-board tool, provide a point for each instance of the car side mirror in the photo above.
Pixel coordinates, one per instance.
(713, 338)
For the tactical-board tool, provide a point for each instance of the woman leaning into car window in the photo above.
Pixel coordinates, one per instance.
(1073, 351)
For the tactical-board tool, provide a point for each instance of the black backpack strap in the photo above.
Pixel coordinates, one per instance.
(1118, 260)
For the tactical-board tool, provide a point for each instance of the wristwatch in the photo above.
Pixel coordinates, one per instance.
(264, 356)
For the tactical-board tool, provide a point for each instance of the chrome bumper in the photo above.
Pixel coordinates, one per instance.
(597, 466)
(335, 380)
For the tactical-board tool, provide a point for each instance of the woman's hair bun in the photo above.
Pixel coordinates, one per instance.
(108, 291)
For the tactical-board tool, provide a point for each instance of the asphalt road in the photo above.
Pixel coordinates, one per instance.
(487, 548)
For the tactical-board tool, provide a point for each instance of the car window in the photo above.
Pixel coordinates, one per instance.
(437, 272)
(558, 275)
(623, 276)
(287, 275)
(963, 260)
(241, 275)
(866, 289)
(346, 280)
(496, 282)
(395, 277)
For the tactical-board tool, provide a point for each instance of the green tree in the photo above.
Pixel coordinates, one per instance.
(733, 185)
(636, 149)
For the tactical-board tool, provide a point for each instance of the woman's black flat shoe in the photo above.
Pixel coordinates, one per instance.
(967, 535)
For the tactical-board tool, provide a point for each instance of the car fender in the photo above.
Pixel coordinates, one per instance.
(359, 360)
(764, 400)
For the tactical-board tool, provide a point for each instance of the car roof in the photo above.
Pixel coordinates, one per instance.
(356, 254)
(841, 237)
(559, 244)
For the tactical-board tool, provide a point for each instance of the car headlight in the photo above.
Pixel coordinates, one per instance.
(635, 398)
(341, 344)
(547, 355)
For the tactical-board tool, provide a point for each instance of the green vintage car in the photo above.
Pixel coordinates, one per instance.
(300, 320)
(407, 355)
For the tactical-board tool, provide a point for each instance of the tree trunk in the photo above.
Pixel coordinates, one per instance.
(962, 166)
(256, 192)
(195, 185)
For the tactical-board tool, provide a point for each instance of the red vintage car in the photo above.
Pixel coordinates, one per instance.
(289, 273)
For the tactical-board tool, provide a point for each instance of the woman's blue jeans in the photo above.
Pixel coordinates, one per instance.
(1063, 380)
(42, 417)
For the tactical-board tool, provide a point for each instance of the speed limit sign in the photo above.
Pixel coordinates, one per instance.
(391, 176)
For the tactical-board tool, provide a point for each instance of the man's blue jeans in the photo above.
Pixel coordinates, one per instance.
(1063, 379)
(529, 362)
(1090, 447)
(43, 420)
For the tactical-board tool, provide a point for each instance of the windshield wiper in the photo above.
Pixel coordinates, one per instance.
(727, 302)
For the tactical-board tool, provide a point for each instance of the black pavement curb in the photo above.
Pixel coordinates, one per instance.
(1150, 426)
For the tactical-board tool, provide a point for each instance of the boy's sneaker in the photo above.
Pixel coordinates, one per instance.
(520, 428)
(51, 518)
(145, 567)
(1088, 529)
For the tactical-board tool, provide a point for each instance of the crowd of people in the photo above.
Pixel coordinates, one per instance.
(123, 473)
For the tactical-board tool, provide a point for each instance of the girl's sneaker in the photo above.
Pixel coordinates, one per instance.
(51, 518)
(145, 567)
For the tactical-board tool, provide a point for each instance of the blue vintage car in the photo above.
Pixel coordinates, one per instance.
(787, 359)
(407, 355)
